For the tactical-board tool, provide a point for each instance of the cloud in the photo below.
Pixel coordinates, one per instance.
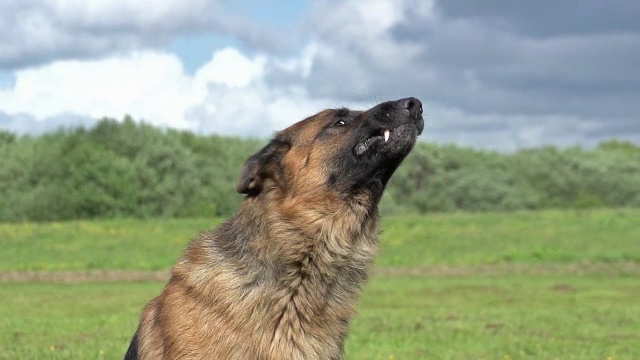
(469, 63)
(150, 84)
(231, 68)
(538, 64)
(39, 31)
(548, 18)
(357, 55)
(490, 74)
(227, 95)
(513, 132)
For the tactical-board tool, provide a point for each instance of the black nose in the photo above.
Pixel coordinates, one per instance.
(412, 104)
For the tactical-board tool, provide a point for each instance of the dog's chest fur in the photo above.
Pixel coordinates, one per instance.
(292, 285)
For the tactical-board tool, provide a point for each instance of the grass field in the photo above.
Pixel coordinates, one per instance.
(530, 285)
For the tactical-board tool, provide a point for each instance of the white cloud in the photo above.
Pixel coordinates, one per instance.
(232, 94)
(33, 32)
(483, 82)
(228, 95)
(231, 68)
(39, 31)
(147, 84)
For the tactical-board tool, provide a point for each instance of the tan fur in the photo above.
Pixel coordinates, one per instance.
(281, 279)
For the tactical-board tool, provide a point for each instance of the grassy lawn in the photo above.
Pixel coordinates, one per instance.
(105, 244)
(440, 239)
(497, 318)
(79, 321)
(530, 285)
(399, 317)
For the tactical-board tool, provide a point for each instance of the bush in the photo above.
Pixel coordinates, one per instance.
(126, 168)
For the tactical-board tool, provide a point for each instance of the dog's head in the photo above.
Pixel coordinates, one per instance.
(338, 152)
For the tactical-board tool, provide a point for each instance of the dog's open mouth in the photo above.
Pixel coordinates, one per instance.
(382, 135)
(386, 136)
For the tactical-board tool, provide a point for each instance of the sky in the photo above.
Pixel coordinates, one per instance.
(499, 75)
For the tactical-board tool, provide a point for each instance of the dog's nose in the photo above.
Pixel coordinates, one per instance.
(413, 105)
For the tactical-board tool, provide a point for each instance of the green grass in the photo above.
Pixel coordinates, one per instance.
(399, 317)
(413, 240)
(80, 321)
(497, 318)
(102, 244)
(488, 308)
(521, 237)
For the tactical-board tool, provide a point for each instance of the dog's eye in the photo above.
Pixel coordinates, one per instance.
(339, 123)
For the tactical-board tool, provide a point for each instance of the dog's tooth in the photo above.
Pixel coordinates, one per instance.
(361, 149)
(386, 135)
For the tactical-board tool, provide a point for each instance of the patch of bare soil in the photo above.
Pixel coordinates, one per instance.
(71, 277)
(438, 271)
(573, 269)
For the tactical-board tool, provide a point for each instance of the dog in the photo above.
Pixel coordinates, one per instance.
(280, 280)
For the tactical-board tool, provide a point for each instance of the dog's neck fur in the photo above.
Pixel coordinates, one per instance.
(321, 276)
(317, 280)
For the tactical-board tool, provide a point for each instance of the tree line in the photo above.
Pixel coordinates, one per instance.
(132, 169)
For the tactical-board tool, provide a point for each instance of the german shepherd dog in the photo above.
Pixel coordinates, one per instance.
(280, 280)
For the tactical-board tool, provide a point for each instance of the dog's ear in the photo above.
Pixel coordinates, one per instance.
(262, 165)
